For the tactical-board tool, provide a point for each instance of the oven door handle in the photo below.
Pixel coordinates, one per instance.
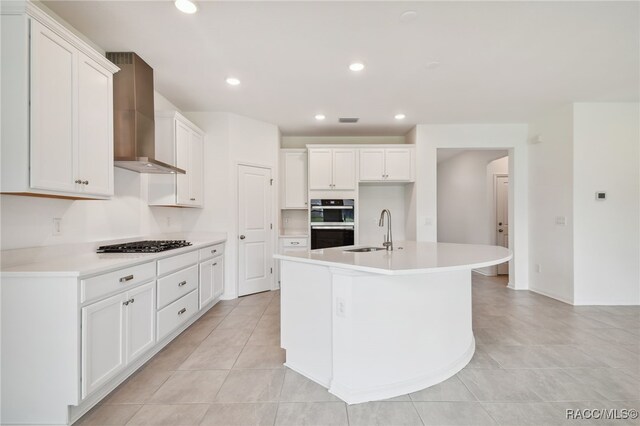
(331, 207)
(333, 227)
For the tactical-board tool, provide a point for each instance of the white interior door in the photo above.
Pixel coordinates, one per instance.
(502, 217)
(254, 229)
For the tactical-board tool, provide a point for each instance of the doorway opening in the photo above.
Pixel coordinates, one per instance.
(473, 199)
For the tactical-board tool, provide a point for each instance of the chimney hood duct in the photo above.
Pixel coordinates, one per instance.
(133, 116)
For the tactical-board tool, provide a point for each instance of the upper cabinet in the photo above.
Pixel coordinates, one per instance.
(293, 166)
(181, 143)
(387, 164)
(57, 110)
(332, 169)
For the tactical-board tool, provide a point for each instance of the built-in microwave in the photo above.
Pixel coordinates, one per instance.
(332, 223)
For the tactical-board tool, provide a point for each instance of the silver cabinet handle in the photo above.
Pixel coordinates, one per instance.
(182, 311)
(132, 300)
(85, 182)
(215, 264)
(78, 181)
(294, 243)
(192, 199)
(125, 303)
(214, 251)
(127, 278)
(181, 283)
(242, 237)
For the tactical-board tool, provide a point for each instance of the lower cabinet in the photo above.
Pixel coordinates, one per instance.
(115, 331)
(211, 279)
(177, 313)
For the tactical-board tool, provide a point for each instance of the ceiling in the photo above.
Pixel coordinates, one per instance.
(494, 61)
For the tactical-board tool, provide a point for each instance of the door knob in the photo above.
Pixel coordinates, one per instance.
(242, 237)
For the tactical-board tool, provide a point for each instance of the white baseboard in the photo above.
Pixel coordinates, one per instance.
(552, 295)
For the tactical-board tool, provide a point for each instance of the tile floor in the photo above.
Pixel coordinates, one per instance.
(535, 358)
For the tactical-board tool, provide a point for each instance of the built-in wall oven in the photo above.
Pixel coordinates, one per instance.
(332, 223)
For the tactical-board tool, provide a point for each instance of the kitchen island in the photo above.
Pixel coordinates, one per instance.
(380, 324)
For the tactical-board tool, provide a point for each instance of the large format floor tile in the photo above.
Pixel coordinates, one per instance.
(535, 359)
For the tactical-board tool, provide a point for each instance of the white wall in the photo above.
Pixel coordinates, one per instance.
(466, 207)
(551, 197)
(606, 150)
(302, 141)
(513, 137)
(373, 198)
(28, 221)
(231, 139)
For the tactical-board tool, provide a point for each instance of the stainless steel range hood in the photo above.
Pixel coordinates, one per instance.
(133, 116)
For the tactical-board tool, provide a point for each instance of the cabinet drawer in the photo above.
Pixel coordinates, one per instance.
(211, 251)
(174, 263)
(176, 285)
(293, 242)
(95, 287)
(177, 313)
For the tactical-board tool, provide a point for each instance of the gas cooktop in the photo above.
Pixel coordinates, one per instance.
(152, 246)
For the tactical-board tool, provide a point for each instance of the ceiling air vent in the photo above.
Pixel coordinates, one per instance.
(348, 120)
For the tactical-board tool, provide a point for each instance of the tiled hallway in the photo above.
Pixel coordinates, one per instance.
(535, 358)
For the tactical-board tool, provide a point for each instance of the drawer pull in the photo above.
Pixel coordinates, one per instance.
(125, 303)
(214, 251)
(132, 300)
(294, 243)
(215, 264)
(181, 283)
(182, 311)
(127, 278)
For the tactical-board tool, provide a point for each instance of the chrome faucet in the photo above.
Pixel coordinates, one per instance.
(388, 239)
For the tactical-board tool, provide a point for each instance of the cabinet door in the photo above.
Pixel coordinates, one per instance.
(52, 118)
(102, 342)
(295, 180)
(140, 320)
(218, 276)
(344, 169)
(372, 164)
(183, 142)
(320, 169)
(398, 164)
(95, 127)
(196, 153)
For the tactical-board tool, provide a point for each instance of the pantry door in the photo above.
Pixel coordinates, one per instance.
(255, 229)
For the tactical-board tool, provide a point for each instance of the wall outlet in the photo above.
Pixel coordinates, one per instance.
(57, 226)
(538, 268)
(341, 308)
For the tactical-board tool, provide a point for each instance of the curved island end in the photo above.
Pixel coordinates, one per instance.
(376, 325)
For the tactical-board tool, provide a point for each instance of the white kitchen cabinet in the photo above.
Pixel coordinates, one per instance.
(211, 280)
(332, 169)
(57, 110)
(103, 342)
(386, 164)
(293, 163)
(140, 321)
(181, 143)
(115, 332)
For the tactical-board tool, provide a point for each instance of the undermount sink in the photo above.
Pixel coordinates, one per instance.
(365, 249)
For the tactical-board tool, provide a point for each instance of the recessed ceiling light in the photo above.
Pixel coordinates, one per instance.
(408, 16)
(186, 6)
(320, 117)
(400, 116)
(232, 81)
(356, 66)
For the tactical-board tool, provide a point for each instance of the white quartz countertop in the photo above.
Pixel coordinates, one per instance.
(82, 259)
(408, 257)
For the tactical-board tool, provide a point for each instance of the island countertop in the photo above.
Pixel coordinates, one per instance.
(408, 257)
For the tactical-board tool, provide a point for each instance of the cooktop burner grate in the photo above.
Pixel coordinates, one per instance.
(151, 246)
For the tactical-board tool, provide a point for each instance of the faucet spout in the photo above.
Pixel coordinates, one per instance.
(388, 239)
